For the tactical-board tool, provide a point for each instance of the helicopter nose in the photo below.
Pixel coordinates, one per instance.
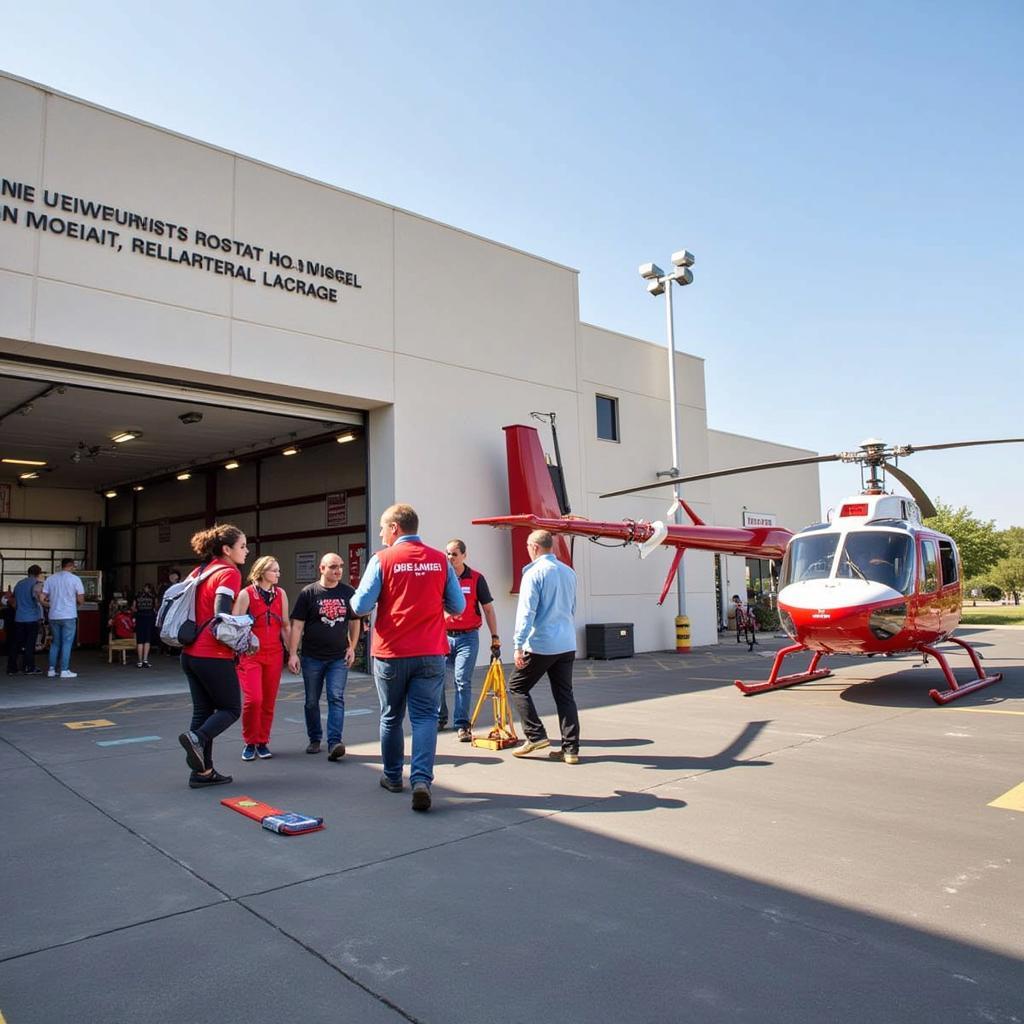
(842, 616)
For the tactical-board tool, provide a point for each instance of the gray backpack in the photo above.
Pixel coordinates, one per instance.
(176, 619)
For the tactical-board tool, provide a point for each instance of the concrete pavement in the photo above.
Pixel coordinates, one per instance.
(825, 853)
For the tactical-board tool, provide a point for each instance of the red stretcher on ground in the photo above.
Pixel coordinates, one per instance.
(285, 823)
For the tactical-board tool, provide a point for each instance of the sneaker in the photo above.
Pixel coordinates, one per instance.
(249, 752)
(34, 672)
(197, 781)
(263, 751)
(314, 747)
(529, 746)
(193, 750)
(68, 674)
(51, 674)
(420, 796)
(465, 736)
(566, 756)
(391, 786)
(139, 665)
(337, 751)
(442, 725)
(146, 664)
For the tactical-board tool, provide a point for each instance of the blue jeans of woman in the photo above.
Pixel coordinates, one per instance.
(315, 674)
(414, 683)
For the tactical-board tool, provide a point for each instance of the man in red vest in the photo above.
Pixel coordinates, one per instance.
(464, 639)
(412, 586)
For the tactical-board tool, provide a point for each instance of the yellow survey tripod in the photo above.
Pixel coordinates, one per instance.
(504, 732)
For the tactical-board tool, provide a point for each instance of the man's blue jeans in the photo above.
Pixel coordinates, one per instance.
(463, 649)
(416, 683)
(62, 639)
(315, 673)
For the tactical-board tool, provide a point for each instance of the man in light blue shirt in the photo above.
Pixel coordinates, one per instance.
(545, 641)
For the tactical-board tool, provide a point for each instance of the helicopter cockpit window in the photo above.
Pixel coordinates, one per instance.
(809, 558)
(947, 556)
(878, 557)
(929, 567)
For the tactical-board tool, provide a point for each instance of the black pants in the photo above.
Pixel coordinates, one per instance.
(216, 698)
(10, 644)
(25, 634)
(559, 670)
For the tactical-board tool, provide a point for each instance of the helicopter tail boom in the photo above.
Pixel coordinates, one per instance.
(752, 542)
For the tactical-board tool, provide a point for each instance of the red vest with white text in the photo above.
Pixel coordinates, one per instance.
(471, 617)
(410, 609)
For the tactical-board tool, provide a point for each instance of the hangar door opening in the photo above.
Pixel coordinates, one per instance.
(119, 472)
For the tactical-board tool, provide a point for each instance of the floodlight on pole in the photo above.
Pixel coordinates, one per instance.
(659, 282)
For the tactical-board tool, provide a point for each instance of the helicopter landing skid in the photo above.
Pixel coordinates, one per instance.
(957, 690)
(777, 682)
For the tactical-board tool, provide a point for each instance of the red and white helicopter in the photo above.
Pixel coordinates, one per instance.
(873, 581)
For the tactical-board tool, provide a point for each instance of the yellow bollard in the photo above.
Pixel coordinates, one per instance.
(682, 635)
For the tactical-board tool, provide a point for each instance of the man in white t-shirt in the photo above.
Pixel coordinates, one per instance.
(62, 594)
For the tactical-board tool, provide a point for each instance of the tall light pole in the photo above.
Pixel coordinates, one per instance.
(657, 282)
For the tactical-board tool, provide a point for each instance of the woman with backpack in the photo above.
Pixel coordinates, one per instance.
(208, 664)
(260, 674)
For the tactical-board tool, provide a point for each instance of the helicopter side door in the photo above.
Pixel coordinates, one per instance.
(928, 614)
(951, 591)
(938, 586)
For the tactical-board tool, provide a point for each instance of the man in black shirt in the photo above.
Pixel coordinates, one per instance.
(322, 621)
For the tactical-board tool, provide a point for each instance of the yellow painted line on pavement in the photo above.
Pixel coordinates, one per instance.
(94, 723)
(987, 711)
(1012, 800)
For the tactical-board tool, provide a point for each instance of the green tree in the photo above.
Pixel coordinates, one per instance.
(981, 544)
(1008, 573)
(1013, 540)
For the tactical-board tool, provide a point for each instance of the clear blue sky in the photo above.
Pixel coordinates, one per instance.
(849, 176)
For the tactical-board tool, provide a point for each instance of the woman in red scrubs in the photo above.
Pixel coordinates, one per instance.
(260, 673)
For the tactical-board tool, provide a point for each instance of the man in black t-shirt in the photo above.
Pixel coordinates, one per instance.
(322, 621)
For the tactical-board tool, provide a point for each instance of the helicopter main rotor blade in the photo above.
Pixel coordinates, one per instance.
(916, 491)
(723, 472)
(962, 444)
